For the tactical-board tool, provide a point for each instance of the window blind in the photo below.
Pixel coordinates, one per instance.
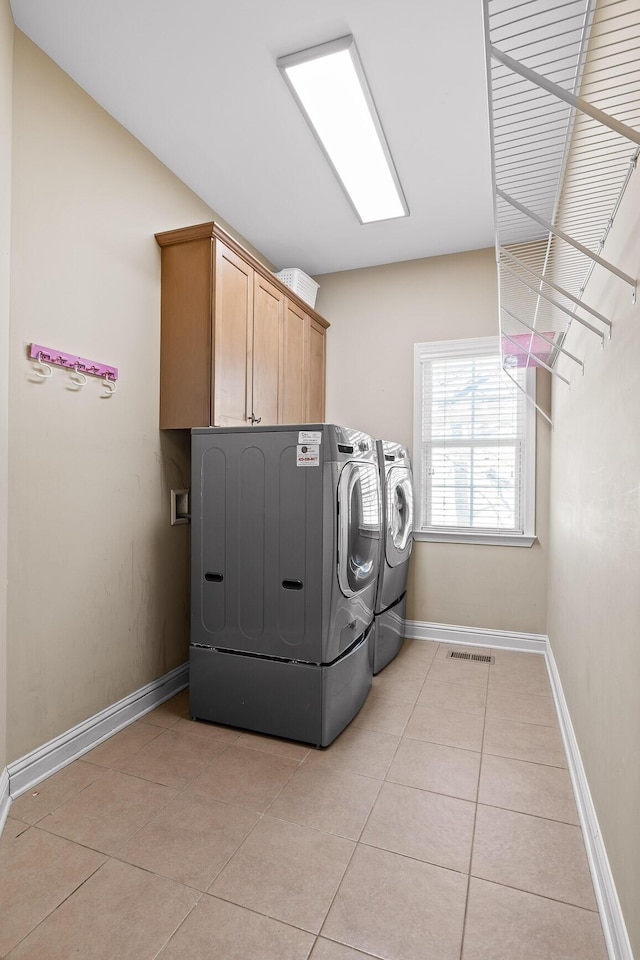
(370, 487)
(474, 442)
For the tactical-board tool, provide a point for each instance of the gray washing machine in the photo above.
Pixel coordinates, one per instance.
(286, 528)
(396, 482)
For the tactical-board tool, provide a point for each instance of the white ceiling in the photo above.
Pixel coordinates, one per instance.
(196, 82)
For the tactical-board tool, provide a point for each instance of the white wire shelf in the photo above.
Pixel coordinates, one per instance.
(564, 106)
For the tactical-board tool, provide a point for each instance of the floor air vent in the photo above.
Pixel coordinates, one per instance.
(474, 657)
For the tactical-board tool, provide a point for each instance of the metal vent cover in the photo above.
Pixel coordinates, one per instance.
(474, 657)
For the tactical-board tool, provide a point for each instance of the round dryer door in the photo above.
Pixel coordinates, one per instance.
(359, 527)
(399, 507)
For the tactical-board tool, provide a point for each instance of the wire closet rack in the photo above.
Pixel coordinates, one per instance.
(564, 108)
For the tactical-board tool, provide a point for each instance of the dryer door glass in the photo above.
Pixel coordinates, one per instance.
(359, 527)
(399, 508)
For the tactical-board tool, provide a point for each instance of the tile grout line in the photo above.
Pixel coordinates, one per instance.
(522, 890)
(414, 859)
(117, 859)
(540, 896)
(178, 791)
(257, 913)
(200, 892)
(105, 771)
(114, 856)
(408, 721)
(475, 820)
(261, 815)
(150, 820)
(182, 922)
(44, 816)
(468, 874)
(525, 813)
(68, 897)
(227, 744)
(357, 842)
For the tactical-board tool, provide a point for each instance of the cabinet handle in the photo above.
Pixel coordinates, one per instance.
(255, 419)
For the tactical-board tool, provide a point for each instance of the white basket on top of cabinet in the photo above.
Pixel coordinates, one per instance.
(300, 283)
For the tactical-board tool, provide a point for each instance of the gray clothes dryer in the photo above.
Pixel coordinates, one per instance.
(286, 527)
(396, 543)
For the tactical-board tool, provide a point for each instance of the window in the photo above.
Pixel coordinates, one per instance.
(474, 444)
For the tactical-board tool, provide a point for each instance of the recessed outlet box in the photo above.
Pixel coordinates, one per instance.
(179, 507)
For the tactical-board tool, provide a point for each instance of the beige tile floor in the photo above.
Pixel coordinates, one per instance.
(440, 825)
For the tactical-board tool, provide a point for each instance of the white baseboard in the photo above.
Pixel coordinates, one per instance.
(613, 925)
(53, 756)
(483, 637)
(5, 799)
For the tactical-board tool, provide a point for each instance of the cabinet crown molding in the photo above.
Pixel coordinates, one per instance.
(213, 231)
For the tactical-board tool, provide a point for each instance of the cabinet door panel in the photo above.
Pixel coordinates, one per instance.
(185, 342)
(232, 351)
(292, 365)
(315, 372)
(268, 308)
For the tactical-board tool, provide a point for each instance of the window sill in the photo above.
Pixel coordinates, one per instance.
(501, 540)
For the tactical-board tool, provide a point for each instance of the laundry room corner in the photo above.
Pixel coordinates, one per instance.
(6, 94)
(377, 315)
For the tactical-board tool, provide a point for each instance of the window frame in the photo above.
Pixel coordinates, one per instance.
(474, 347)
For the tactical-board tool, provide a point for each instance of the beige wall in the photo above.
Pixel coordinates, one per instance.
(98, 577)
(6, 83)
(376, 315)
(594, 574)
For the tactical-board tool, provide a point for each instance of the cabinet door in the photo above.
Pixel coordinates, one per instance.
(185, 341)
(232, 339)
(315, 372)
(268, 312)
(292, 365)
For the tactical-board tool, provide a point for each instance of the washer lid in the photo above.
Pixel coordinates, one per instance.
(399, 515)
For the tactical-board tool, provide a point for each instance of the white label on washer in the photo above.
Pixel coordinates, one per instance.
(310, 436)
(308, 455)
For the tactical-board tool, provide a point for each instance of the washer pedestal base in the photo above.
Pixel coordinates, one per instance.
(388, 633)
(298, 701)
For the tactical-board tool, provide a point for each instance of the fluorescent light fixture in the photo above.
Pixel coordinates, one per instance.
(330, 87)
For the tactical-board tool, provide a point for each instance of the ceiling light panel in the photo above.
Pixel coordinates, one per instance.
(330, 87)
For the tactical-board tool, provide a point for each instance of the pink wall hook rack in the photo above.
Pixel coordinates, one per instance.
(72, 362)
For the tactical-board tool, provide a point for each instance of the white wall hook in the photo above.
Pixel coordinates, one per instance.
(45, 370)
(77, 376)
(110, 385)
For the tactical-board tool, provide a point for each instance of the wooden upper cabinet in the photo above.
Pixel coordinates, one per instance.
(302, 362)
(237, 346)
(185, 335)
(232, 339)
(316, 364)
(268, 315)
(293, 364)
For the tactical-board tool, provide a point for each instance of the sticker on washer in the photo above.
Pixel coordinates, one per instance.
(310, 436)
(308, 455)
